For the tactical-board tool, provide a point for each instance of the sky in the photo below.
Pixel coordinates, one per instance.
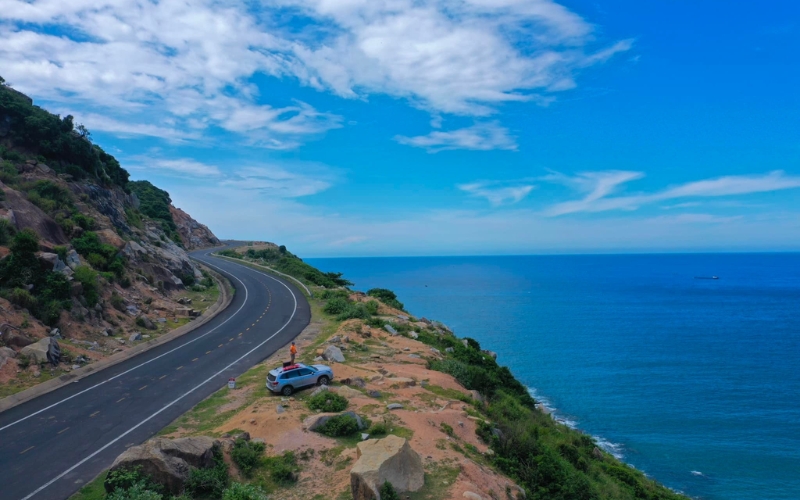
(438, 127)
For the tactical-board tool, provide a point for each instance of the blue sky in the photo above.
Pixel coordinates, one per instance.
(438, 127)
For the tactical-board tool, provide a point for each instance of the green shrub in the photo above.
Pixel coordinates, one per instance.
(282, 468)
(246, 455)
(123, 479)
(139, 491)
(336, 305)
(239, 491)
(48, 195)
(387, 492)
(23, 298)
(327, 401)
(386, 296)
(379, 429)
(7, 231)
(339, 426)
(118, 303)
(88, 278)
(209, 482)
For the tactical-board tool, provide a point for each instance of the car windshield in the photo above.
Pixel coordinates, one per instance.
(312, 369)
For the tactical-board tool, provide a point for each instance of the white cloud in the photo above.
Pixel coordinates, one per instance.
(189, 64)
(498, 194)
(146, 64)
(451, 56)
(600, 185)
(278, 181)
(185, 167)
(481, 136)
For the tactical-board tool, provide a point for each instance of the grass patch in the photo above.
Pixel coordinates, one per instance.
(448, 393)
(93, 490)
(438, 480)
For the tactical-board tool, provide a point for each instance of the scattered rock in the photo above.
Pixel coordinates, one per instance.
(465, 342)
(168, 461)
(73, 260)
(75, 367)
(402, 382)
(279, 409)
(435, 350)
(413, 335)
(55, 333)
(43, 351)
(348, 392)
(491, 353)
(364, 437)
(472, 496)
(597, 453)
(414, 356)
(184, 300)
(449, 349)
(335, 339)
(322, 388)
(333, 353)
(358, 382)
(374, 394)
(390, 329)
(394, 406)
(389, 459)
(135, 336)
(147, 323)
(403, 317)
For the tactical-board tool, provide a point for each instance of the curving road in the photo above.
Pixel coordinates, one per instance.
(56, 443)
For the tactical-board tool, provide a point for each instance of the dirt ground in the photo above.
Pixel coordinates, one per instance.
(438, 417)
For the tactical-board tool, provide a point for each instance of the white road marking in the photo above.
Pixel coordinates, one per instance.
(137, 366)
(209, 379)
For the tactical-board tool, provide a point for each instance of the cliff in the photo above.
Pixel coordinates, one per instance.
(83, 259)
(193, 234)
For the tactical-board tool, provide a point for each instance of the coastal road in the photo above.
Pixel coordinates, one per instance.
(52, 445)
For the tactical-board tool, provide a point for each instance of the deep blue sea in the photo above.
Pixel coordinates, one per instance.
(694, 381)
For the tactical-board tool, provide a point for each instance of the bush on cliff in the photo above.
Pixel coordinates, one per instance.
(57, 140)
(246, 455)
(49, 291)
(386, 296)
(288, 263)
(327, 401)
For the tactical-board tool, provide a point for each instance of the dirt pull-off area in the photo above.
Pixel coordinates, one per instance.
(437, 416)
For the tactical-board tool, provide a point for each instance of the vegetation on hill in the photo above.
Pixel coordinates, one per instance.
(154, 203)
(282, 260)
(25, 283)
(66, 147)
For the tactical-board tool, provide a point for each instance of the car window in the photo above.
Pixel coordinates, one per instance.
(292, 374)
(304, 371)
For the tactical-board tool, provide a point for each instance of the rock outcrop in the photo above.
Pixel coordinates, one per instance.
(43, 351)
(389, 459)
(193, 234)
(27, 215)
(333, 353)
(168, 461)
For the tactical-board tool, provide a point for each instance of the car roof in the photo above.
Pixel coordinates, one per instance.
(282, 369)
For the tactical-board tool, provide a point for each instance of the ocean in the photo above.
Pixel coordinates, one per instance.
(696, 382)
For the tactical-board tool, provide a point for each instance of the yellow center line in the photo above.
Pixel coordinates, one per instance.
(64, 430)
(231, 339)
(162, 376)
(178, 368)
(142, 387)
(119, 401)
(93, 414)
(247, 330)
(208, 352)
(26, 451)
(195, 359)
(221, 345)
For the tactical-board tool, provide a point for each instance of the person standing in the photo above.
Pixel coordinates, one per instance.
(293, 351)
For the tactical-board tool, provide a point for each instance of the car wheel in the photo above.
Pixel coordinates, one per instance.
(323, 380)
(287, 391)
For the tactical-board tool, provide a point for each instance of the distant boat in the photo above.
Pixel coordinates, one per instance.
(706, 277)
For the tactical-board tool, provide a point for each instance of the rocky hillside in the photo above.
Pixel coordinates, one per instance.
(193, 234)
(87, 267)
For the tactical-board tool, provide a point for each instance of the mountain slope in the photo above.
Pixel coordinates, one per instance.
(80, 252)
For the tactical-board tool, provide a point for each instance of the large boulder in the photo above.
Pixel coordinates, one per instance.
(6, 353)
(168, 461)
(37, 352)
(333, 353)
(388, 459)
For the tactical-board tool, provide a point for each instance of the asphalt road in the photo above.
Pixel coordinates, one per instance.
(53, 445)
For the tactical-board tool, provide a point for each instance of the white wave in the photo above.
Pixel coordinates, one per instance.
(697, 473)
(614, 449)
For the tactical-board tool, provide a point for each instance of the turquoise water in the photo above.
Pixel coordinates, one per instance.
(694, 381)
